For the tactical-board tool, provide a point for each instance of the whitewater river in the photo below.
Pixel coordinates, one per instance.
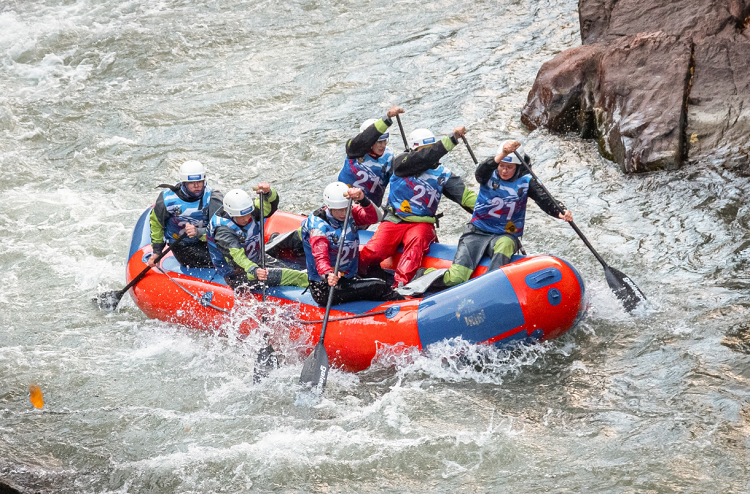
(100, 100)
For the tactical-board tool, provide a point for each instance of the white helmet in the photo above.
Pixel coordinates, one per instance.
(237, 203)
(192, 171)
(421, 137)
(333, 195)
(511, 158)
(367, 123)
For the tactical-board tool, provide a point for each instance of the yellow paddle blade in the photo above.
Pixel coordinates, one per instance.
(35, 395)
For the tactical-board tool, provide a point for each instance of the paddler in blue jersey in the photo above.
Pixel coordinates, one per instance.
(184, 208)
(321, 233)
(234, 241)
(369, 161)
(499, 214)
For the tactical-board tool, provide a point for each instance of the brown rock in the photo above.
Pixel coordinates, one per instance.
(657, 82)
(562, 96)
(719, 103)
(605, 20)
(628, 94)
(643, 83)
(7, 489)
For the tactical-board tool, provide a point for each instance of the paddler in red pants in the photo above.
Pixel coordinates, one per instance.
(419, 181)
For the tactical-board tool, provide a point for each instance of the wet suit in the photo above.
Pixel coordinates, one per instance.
(320, 235)
(235, 250)
(497, 223)
(174, 208)
(418, 183)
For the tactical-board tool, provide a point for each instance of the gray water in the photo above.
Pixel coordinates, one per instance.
(101, 100)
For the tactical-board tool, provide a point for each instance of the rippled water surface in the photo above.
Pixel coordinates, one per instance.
(101, 100)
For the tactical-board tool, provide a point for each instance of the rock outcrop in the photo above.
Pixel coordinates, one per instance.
(657, 82)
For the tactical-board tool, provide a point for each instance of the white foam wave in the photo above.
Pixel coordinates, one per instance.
(115, 141)
(457, 360)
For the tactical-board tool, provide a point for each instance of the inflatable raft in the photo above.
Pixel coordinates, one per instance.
(533, 298)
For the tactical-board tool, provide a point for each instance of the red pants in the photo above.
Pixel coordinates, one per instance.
(416, 238)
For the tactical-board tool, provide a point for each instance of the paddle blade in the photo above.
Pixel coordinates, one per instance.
(315, 369)
(108, 300)
(624, 288)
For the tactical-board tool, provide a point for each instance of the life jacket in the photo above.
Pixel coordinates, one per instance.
(319, 223)
(248, 235)
(369, 174)
(420, 195)
(501, 205)
(181, 212)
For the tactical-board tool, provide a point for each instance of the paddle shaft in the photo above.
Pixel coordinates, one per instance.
(559, 205)
(265, 354)
(335, 271)
(138, 278)
(262, 244)
(403, 136)
(463, 138)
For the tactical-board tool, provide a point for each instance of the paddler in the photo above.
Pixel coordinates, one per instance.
(184, 208)
(369, 161)
(234, 241)
(321, 233)
(419, 181)
(497, 224)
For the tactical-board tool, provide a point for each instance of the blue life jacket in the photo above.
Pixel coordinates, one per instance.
(183, 212)
(248, 235)
(369, 174)
(501, 205)
(420, 195)
(321, 222)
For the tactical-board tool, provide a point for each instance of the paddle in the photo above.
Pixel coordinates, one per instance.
(265, 354)
(463, 138)
(315, 368)
(109, 300)
(622, 286)
(262, 244)
(403, 136)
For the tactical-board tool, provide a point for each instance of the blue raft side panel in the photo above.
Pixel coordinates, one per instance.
(476, 311)
(142, 237)
(141, 234)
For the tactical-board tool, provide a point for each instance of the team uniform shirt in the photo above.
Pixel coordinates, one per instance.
(419, 182)
(173, 210)
(501, 205)
(418, 196)
(369, 174)
(224, 235)
(321, 233)
(364, 171)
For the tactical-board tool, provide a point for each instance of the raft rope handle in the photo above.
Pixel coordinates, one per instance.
(200, 300)
(354, 316)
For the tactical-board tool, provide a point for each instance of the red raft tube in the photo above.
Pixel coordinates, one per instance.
(532, 298)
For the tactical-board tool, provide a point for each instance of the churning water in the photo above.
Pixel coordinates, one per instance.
(100, 100)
